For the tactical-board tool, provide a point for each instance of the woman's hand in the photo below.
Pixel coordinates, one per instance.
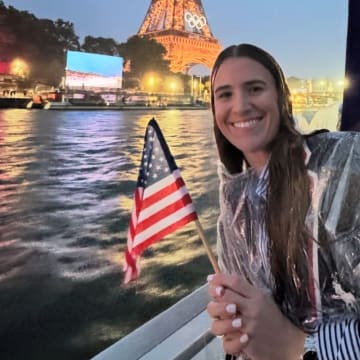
(250, 321)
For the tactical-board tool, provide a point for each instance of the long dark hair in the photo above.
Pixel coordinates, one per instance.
(288, 198)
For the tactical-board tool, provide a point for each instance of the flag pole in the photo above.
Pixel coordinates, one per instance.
(209, 252)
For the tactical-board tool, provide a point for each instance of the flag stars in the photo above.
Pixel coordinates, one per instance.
(155, 162)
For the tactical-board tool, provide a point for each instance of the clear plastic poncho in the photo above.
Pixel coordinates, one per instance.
(333, 163)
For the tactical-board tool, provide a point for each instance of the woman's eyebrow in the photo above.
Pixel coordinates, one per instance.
(246, 83)
(256, 81)
(221, 88)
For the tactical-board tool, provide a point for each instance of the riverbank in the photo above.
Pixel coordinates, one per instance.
(27, 103)
(69, 106)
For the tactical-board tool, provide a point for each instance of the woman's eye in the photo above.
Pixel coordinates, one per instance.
(255, 89)
(224, 94)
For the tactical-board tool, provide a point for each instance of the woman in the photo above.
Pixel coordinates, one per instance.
(289, 225)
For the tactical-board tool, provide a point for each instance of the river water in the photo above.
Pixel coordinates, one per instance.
(66, 184)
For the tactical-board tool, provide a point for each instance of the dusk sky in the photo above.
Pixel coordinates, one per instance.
(307, 37)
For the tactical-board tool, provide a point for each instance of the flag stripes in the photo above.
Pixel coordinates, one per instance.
(162, 203)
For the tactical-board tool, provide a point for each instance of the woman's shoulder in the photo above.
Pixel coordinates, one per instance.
(323, 137)
(333, 149)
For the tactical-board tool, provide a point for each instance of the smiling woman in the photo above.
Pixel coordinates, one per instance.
(288, 223)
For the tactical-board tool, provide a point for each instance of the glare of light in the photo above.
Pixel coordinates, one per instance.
(19, 67)
(173, 85)
(151, 81)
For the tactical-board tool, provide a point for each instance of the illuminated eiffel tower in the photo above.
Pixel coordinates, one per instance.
(182, 28)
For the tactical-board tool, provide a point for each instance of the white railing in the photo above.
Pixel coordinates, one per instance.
(179, 333)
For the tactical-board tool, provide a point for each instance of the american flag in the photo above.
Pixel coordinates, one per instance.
(162, 203)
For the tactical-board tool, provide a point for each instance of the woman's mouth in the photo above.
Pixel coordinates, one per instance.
(246, 124)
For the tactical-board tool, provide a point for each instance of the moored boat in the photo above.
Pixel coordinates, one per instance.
(14, 102)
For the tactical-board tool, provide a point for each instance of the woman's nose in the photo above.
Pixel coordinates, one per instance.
(241, 103)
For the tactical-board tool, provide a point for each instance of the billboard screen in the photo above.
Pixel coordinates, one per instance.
(93, 71)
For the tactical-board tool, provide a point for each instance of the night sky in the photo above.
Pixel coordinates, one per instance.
(307, 37)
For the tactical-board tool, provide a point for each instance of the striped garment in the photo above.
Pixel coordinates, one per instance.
(338, 340)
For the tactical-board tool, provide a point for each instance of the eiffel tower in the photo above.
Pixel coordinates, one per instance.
(182, 28)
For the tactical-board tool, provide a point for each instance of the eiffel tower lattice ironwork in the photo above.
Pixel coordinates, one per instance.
(182, 28)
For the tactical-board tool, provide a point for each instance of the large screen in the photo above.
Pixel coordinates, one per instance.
(93, 71)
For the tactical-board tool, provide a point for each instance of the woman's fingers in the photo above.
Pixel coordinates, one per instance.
(235, 343)
(228, 296)
(222, 327)
(238, 284)
(221, 310)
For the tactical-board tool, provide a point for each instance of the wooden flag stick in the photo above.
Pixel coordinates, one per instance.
(209, 252)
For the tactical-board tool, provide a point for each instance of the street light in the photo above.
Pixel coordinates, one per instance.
(173, 86)
(150, 81)
(19, 67)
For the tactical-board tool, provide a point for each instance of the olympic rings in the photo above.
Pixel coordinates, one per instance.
(195, 21)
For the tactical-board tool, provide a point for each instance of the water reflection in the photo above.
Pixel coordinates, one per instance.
(66, 186)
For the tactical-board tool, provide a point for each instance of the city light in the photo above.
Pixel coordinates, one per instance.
(151, 82)
(19, 67)
(173, 86)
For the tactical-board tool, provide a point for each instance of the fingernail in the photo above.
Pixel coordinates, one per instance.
(236, 323)
(231, 308)
(219, 290)
(210, 277)
(244, 338)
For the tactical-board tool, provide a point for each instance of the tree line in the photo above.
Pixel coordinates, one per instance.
(42, 44)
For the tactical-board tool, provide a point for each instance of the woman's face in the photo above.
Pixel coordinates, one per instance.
(246, 107)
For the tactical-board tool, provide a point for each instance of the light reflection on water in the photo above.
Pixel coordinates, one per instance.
(66, 185)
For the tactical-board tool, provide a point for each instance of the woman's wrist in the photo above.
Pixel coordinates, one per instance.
(295, 344)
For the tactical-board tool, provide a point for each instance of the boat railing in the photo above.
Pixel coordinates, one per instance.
(179, 333)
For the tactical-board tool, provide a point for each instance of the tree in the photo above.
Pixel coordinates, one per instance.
(65, 35)
(100, 45)
(145, 55)
(41, 43)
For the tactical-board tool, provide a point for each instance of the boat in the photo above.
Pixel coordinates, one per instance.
(15, 103)
(182, 331)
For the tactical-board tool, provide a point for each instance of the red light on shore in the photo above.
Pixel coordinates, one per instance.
(4, 68)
